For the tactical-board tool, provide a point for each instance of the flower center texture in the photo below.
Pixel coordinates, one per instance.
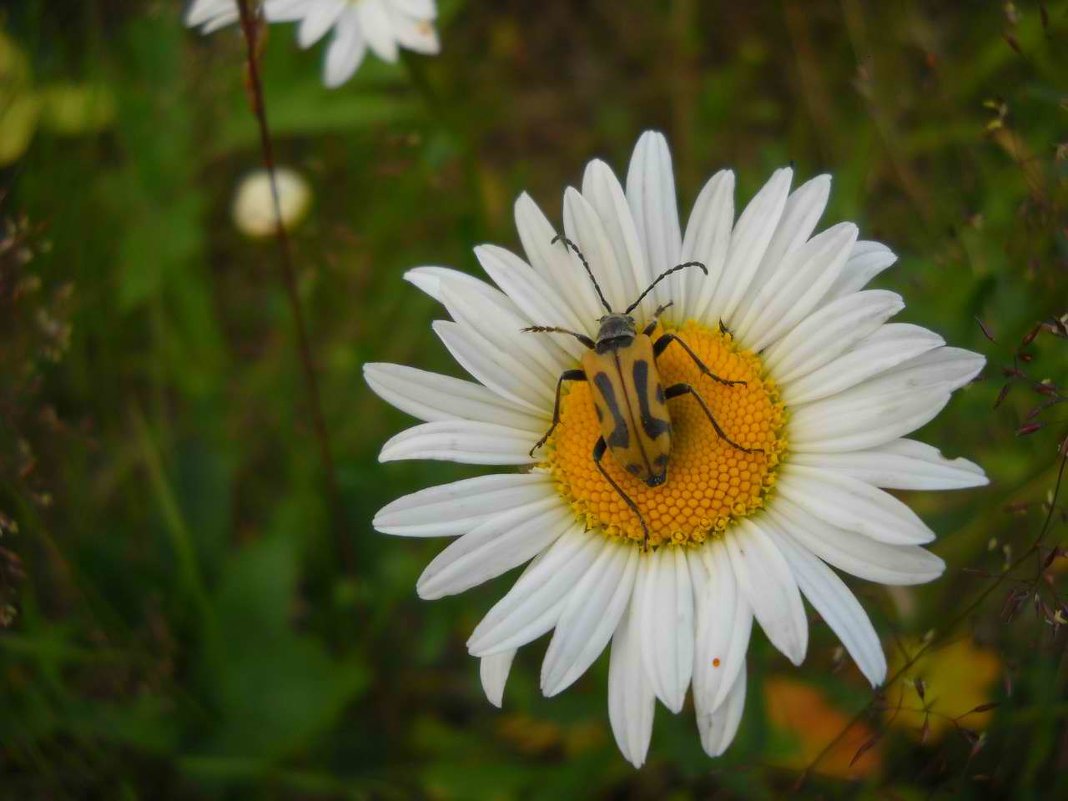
(709, 482)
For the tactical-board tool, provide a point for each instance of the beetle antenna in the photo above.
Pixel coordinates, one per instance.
(569, 244)
(661, 277)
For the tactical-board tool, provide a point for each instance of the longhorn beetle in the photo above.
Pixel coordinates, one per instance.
(630, 401)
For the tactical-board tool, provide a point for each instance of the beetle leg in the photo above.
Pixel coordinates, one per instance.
(648, 331)
(552, 329)
(598, 454)
(685, 389)
(661, 345)
(567, 375)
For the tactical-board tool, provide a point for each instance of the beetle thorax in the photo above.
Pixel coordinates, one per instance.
(615, 331)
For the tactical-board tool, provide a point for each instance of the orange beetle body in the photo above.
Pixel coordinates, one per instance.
(631, 406)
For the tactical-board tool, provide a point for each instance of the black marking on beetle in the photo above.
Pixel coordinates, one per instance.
(660, 397)
(634, 469)
(620, 436)
(630, 413)
(653, 426)
(661, 460)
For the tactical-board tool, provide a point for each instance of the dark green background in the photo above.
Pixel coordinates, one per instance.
(186, 627)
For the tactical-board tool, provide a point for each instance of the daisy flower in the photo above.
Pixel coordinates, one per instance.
(383, 26)
(811, 391)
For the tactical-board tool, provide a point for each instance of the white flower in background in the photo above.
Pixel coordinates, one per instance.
(253, 206)
(211, 15)
(383, 26)
(735, 533)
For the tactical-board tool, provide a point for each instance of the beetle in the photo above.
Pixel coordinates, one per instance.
(630, 401)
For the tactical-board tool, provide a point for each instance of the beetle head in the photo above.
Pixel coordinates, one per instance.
(615, 331)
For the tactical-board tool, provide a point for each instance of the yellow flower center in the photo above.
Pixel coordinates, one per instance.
(709, 481)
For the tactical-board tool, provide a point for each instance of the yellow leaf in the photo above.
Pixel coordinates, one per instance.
(68, 109)
(956, 679)
(805, 715)
(18, 121)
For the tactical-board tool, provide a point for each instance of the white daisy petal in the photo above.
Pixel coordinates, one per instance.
(284, 10)
(538, 597)
(420, 9)
(896, 565)
(885, 407)
(220, 22)
(464, 441)
(864, 424)
(828, 332)
(493, 672)
(584, 227)
(593, 610)
(903, 464)
(531, 294)
(487, 311)
(853, 505)
(803, 210)
(699, 578)
(210, 15)
(651, 194)
(839, 608)
(942, 368)
(431, 397)
(413, 33)
(320, 18)
(199, 11)
(432, 280)
(631, 702)
(749, 242)
(602, 190)
(708, 237)
(889, 346)
(765, 580)
(934, 371)
(495, 368)
(719, 726)
(374, 22)
(506, 540)
(554, 264)
(724, 624)
(665, 604)
(535, 359)
(346, 50)
(450, 509)
(784, 303)
(867, 260)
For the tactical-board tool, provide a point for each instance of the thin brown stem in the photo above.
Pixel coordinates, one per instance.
(250, 30)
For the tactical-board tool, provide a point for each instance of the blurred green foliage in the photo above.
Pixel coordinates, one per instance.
(183, 625)
(59, 108)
